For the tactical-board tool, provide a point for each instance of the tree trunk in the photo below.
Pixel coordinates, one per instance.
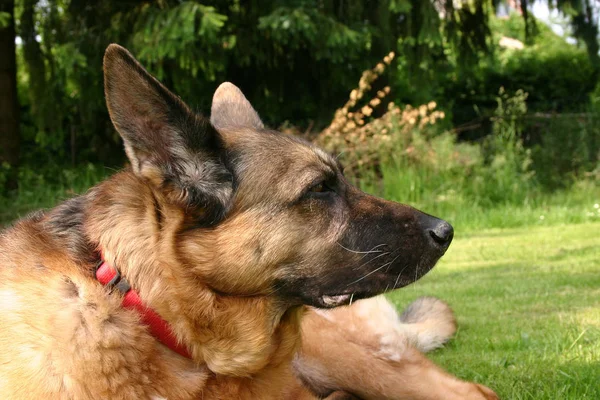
(9, 103)
(590, 37)
(34, 62)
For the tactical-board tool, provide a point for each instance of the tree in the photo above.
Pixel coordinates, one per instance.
(9, 105)
(296, 60)
(584, 17)
(585, 24)
(35, 64)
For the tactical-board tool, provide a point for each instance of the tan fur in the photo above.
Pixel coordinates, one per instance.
(365, 350)
(65, 336)
(429, 323)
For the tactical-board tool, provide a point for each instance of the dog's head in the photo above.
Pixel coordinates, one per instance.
(263, 213)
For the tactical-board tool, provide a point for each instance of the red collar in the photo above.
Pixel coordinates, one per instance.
(157, 326)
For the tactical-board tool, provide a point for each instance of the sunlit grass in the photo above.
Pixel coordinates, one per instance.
(528, 307)
(470, 203)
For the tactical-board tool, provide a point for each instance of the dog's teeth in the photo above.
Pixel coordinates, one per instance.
(335, 300)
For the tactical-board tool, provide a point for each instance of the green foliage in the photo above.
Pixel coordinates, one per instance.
(264, 47)
(293, 59)
(458, 192)
(506, 170)
(558, 78)
(296, 61)
(5, 19)
(568, 148)
(297, 28)
(188, 34)
(494, 182)
(5, 171)
(45, 189)
(507, 119)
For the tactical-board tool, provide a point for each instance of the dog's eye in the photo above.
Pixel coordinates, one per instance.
(321, 190)
(322, 187)
(318, 188)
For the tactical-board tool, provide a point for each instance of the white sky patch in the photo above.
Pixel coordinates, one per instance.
(557, 21)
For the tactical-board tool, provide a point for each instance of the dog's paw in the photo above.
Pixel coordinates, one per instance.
(486, 392)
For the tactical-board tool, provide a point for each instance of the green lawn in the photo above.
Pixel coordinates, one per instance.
(527, 302)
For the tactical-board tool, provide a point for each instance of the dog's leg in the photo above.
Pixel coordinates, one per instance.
(356, 351)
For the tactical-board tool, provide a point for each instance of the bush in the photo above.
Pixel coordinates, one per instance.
(558, 76)
(568, 147)
(505, 176)
(43, 188)
(402, 155)
(365, 133)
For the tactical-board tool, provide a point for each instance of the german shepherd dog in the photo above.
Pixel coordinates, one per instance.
(212, 269)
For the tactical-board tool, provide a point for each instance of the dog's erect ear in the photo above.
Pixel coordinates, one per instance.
(174, 148)
(230, 109)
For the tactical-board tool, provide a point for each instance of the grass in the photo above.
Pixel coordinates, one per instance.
(527, 302)
(43, 190)
(484, 199)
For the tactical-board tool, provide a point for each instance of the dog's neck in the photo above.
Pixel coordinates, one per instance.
(259, 330)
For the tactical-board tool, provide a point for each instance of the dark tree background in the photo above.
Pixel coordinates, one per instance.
(296, 60)
(9, 105)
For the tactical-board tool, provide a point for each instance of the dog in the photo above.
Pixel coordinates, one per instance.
(228, 262)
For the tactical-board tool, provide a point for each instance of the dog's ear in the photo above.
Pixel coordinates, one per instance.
(230, 109)
(169, 145)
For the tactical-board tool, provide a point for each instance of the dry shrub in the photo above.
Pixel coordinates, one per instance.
(365, 132)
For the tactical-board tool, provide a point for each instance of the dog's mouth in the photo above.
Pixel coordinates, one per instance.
(335, 300)
(346, 297)
(341, 290)
(341, 299)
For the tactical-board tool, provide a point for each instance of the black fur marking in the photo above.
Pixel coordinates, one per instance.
(65, 222)
(157, 213)
(230, 159)
(198, 134)
(72, 289)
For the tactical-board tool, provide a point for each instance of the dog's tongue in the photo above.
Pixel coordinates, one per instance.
(332, 301)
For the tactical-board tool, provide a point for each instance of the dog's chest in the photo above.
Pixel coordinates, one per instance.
(274, 383)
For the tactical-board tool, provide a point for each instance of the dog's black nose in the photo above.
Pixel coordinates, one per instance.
(442, 233)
